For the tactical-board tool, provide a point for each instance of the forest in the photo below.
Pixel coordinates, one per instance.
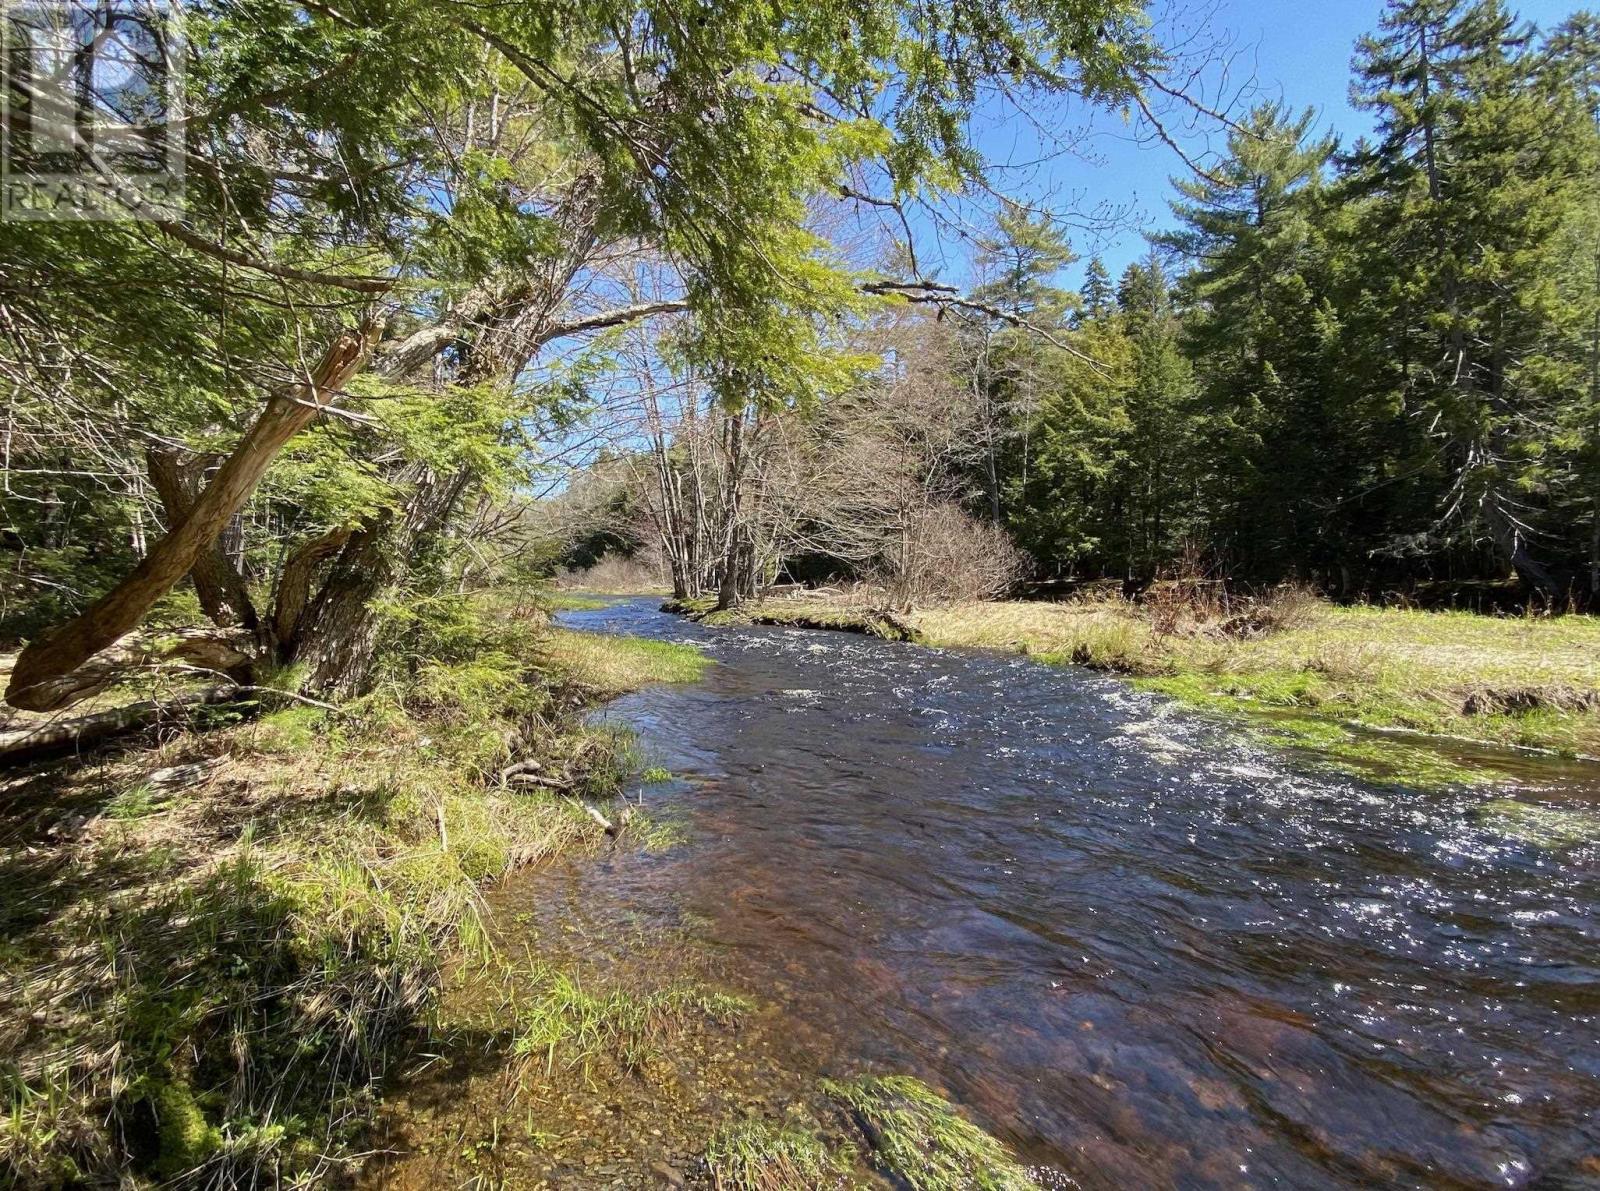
(1370, 367)
(471, 317)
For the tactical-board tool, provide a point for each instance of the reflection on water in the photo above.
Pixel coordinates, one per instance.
(1137, 950)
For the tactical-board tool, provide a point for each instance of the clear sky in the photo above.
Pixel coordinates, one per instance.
(1298, 51)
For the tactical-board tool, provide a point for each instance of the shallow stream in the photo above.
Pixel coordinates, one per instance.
(1139, 950)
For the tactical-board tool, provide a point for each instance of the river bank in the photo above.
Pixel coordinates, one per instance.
(215, 944)
(1415, 694)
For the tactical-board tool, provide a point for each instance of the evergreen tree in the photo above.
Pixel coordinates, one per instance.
(1258, 330)
(1099, 296)
(1465, 193)
(1149, 501)
(1020, 261)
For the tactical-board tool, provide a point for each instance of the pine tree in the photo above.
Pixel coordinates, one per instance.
(1570, 64)
(1020, 262)
(1155, 446)
(1099, 297)
(1259, 331)
(1466, 190)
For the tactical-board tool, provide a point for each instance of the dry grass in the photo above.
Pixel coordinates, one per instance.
(614, 575)
(1528, 681)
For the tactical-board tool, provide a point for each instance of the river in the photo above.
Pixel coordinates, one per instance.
(1141, 952)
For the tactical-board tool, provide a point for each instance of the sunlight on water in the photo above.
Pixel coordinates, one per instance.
(1140, 949)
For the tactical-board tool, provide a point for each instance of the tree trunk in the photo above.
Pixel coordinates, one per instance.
(1513, 547)
(55, 736)
(217, 581)
(339, 634)
(728, 585)
(41, 680)
(294, 587)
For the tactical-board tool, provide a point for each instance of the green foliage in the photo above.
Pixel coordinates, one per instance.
(1373, 364)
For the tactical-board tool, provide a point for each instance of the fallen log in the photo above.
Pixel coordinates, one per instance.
(54, 736)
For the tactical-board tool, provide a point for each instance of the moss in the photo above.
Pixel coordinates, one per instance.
(186, 1139)
(761, 1156)
(918, 1136)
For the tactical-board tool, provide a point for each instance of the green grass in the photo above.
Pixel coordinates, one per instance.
(918, 1136)
(245, 960)
(135, 802)
(603, 666)
(760, 1156)
(571, 601)
(572, 1025)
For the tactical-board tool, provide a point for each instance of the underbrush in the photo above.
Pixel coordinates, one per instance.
(211, 950)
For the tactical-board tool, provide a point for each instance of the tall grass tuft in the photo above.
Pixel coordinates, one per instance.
(919, 1137)
(760, 1156)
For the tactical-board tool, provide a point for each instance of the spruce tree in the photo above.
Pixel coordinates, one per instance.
(1259, 330)
(1465, 192)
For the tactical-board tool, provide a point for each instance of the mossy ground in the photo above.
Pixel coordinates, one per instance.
(211, 948)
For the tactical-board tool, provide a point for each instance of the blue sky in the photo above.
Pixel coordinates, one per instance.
(1292, 50)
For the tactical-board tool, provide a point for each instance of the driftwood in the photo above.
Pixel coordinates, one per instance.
(516, 775)
(53, 736)
(611, 828)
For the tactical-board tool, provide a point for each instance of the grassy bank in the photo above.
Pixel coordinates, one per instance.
(210, 949)
(800, 613)
(1312, 675)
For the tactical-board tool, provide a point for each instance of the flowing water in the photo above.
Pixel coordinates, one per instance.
(1137, 949)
